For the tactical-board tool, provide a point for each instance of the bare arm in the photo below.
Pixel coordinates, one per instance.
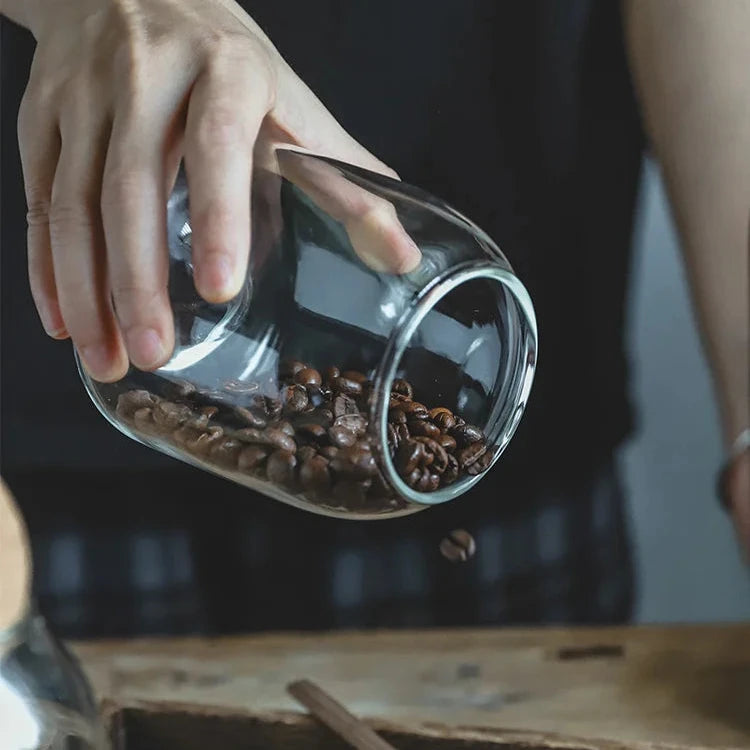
(691, 62)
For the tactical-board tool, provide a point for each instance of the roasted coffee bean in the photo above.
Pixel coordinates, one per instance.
(273, 407)
(415, 410)
(396, 401)
(285, 426)
(392, 438)
(458, 546)
(355, 423)
(403, 432)
(423, 428)
(208, 411)
(331, 374)
(252, 457)
(481, 464)
(408, 456)
(144, 418)
(289, 368)
(469, 455)
(396, 416)
(466, 434)
(308, 377)
(225, 451)
(355, 375)
(240, 387)
(180, 389)
(315, 475)
(440, 463)
(279, 439)
(450, 475)
(280, 468)
(343, 404)
(185, 434)
(169, 415)
(296, 399)
(428, 482)
(347, 386)
(413, 478)
(248, 417)
(447, 441)
(403, 388)
(130, 402)
(201, 444)
(444, 420)
(250, 435)
(312, 430)
(341, 437)
(305, 453)
(198, 422)
(354, 462)
(329, 451)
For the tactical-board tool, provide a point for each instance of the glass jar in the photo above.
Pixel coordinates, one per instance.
(377, 361)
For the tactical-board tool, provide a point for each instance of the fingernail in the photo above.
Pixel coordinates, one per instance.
(96, 359)
(145, 347)
(216, 274)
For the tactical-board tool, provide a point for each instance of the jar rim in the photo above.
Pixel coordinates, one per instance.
(398, 343)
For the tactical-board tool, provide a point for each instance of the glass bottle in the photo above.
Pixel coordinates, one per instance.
(342, 379)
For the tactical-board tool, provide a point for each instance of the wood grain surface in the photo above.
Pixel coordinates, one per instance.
(639, 687)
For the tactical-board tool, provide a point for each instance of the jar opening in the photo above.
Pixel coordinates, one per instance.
(466, 345)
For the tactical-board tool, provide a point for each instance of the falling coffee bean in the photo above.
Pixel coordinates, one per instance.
(458, 546)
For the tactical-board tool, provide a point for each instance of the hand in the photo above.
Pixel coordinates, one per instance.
(120, 91)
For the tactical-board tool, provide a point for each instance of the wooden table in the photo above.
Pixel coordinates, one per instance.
(682, 685)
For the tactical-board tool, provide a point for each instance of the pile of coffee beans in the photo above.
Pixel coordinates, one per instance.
(311, 436)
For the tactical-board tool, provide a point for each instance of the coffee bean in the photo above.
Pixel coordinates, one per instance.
(198, 422)
(296, 399)
(355, 462)
(341, 437)
(424, 428)
(169, 415)
(331, 374)
(308, 377)
(208, 411)
(128, 403)
(343, 404)
(396, 401)
(305, 453)
(248, 417)
(444, 420)
(408, 456)
(413, 477)
(403, 388)
(280, 468)
(447, 441)
(225, 451)
(185, 434)
(279, 439)
(428, 482)
(144, 419)
(285, 426)
(252, 457)
(289, 368)
(472, 453)
(403, 432)
(355, 375)
(392, 439)
(273, 407)
(315, 475)
(450, 475)
(180, 389)
(458, 546)
(312, 430)
(481, 464)
(202, 444)
(329, 451)
(347, 386)
(250, 435)
(433, 448)
(415, 410)
(396, 416)
(466, 434)
(355, 423)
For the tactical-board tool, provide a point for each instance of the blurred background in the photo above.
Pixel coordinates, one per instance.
(670, 464)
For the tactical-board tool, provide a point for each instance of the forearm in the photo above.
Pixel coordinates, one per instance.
(691, 59)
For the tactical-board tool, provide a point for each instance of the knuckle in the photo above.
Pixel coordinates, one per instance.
(137, 299)
(38, 206)
(219, 126)
(69, 215)
(121, 187)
